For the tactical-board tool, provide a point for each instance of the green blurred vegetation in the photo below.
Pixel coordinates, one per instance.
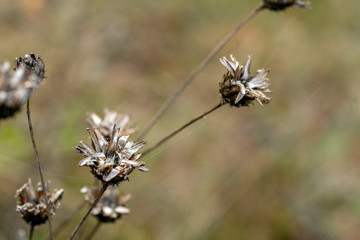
(289, 170)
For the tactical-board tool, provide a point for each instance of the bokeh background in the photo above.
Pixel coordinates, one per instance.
(289, 170)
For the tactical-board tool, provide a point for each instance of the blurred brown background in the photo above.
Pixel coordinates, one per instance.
(289, 170)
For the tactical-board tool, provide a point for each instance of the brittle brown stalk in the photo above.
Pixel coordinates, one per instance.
(162, 141)
(104, 187)
(67, 219)
(198, 69)
(39, 167)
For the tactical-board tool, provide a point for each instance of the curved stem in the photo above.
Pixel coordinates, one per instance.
(39, 167)
(162, 141)
(95, 229)
(104, 187)
(198, 69)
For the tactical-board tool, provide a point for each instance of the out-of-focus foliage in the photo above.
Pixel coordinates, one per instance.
(289, 170)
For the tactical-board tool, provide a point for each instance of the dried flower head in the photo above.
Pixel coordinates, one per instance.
(111, 118)
(31, 202)
(32, 63)
(15, 88)
(277, 5)
(110, 207)
(111, 160)
(239, 88)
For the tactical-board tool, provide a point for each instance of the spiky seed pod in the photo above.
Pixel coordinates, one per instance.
(278, 5)
(239, 88)
(111, 118)
(32, 63)
(31, 202)
(111, 160)
(15, 88)
(110, 207)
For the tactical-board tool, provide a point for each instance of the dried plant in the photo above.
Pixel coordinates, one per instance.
(111, 118)
(110, 156)
(15, 88)
(32, 205)
(277, 5)
(110, 207)
(239, 88)
(32, 64)
(111, 160)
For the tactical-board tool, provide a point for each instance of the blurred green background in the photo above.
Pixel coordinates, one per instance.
(289, 170)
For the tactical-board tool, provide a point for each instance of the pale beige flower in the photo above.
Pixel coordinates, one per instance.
(111, 159)
(277, 5)
(239, 87)
(32, 205)
(111, 118)
(111, 206)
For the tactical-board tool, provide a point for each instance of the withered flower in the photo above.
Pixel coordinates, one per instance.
(278, 5)
(111, 160)
(32, 63)
(15, 88)
(111, 118)
(31, 202)
(110, 207)
(239, 88)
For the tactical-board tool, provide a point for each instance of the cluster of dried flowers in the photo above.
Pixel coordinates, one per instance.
(31, 202)
(16, 86)
(111, 206)
(111, 157)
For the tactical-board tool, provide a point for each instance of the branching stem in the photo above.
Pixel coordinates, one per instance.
(198, 69)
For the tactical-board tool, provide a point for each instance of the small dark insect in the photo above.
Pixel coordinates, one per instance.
(277, 5)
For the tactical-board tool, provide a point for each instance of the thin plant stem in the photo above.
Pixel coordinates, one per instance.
(198, 69)
(162, 141)
(67, 219)
(39, 167)
(31, 232)
(104, 187)
(95, 229)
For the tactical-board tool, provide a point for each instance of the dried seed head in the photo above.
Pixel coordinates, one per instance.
(111, 206)
(278, 5)
(111, 118)
(15, 88)
(239, 88)
(31, 202)
(111, 159)
(32, 63)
